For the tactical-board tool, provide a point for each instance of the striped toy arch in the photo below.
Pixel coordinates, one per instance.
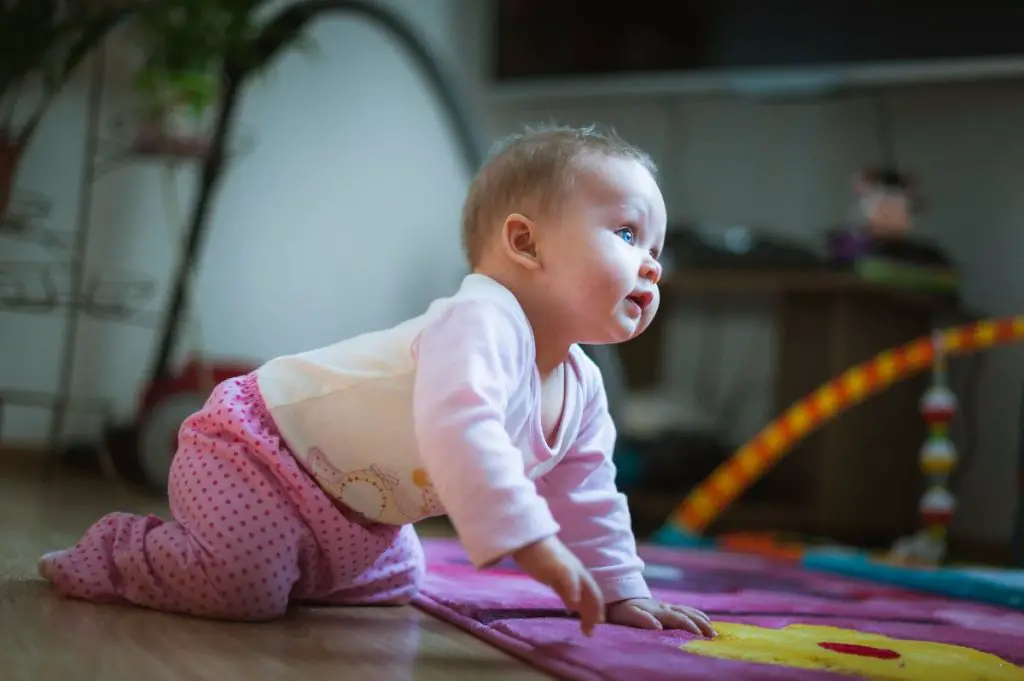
(757, 456)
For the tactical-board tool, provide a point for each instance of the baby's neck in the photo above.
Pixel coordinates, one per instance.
(552, 348)
(549, 356)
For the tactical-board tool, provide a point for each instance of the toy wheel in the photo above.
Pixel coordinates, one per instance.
(158, 436)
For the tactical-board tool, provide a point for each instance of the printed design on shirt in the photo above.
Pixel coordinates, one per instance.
(425, 501)
(372, 492)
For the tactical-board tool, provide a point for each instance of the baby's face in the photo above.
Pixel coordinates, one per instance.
(601, 257)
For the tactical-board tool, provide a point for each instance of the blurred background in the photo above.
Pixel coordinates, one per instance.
(782, 138)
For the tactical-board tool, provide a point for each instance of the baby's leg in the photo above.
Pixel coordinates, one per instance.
(367, 565)
(159, 564)
(395, 577)
(235, 546)
(251, 531)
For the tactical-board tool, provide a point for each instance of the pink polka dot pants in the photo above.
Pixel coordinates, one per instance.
(252, 532)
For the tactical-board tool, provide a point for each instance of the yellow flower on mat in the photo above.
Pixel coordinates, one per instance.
(859, 654)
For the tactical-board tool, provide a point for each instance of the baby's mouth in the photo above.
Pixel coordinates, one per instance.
(641, 299)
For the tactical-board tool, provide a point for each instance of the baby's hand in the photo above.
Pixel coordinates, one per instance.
(550, 562)
(646, 613)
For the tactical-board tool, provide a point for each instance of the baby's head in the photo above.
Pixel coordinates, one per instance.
(572, 221)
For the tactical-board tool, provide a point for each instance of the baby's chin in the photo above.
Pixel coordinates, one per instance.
(638, 330)
(620, 331)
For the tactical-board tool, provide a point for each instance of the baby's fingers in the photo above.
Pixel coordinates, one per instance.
(591, 604)
(638, 618)
(695, 621)
(568, 589)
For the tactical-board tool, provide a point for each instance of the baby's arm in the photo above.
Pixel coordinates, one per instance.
(584, 500)
(594, 517)
(471, 360)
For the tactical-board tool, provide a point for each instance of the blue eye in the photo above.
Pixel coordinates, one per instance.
(628, 235)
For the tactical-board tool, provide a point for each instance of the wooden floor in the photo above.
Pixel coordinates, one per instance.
(44, 637)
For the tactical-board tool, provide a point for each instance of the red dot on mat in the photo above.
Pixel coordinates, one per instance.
(863, 651)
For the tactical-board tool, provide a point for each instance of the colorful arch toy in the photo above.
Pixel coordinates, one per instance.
(755, 458)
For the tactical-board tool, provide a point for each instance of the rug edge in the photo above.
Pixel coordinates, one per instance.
(512, 645)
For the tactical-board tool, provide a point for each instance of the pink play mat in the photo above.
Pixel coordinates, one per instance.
(777, 622)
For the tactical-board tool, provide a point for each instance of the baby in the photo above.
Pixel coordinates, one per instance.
(301, 481)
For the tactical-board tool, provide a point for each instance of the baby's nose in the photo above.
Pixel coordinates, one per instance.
(651, 271)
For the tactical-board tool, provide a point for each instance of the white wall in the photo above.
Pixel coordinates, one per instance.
(343, 218)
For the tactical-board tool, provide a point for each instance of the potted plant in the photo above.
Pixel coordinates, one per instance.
(175, 102)
(44, 42)
(185, 43)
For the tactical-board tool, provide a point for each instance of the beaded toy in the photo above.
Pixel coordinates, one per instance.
(938, 460)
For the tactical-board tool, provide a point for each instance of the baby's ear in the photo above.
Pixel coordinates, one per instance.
(519, 240)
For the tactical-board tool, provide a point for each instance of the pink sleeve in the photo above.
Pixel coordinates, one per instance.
(584, 500)
(471, 361)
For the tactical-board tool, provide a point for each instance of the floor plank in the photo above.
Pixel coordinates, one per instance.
(44, 637)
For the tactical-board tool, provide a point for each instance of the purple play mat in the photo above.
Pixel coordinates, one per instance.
(776, 620)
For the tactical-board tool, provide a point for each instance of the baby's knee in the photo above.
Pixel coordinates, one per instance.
(252, 593)
(411, 581)
(406, 582)
(263, 608)
(248, 605)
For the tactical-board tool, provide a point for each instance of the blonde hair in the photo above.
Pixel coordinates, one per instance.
(535, 168)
